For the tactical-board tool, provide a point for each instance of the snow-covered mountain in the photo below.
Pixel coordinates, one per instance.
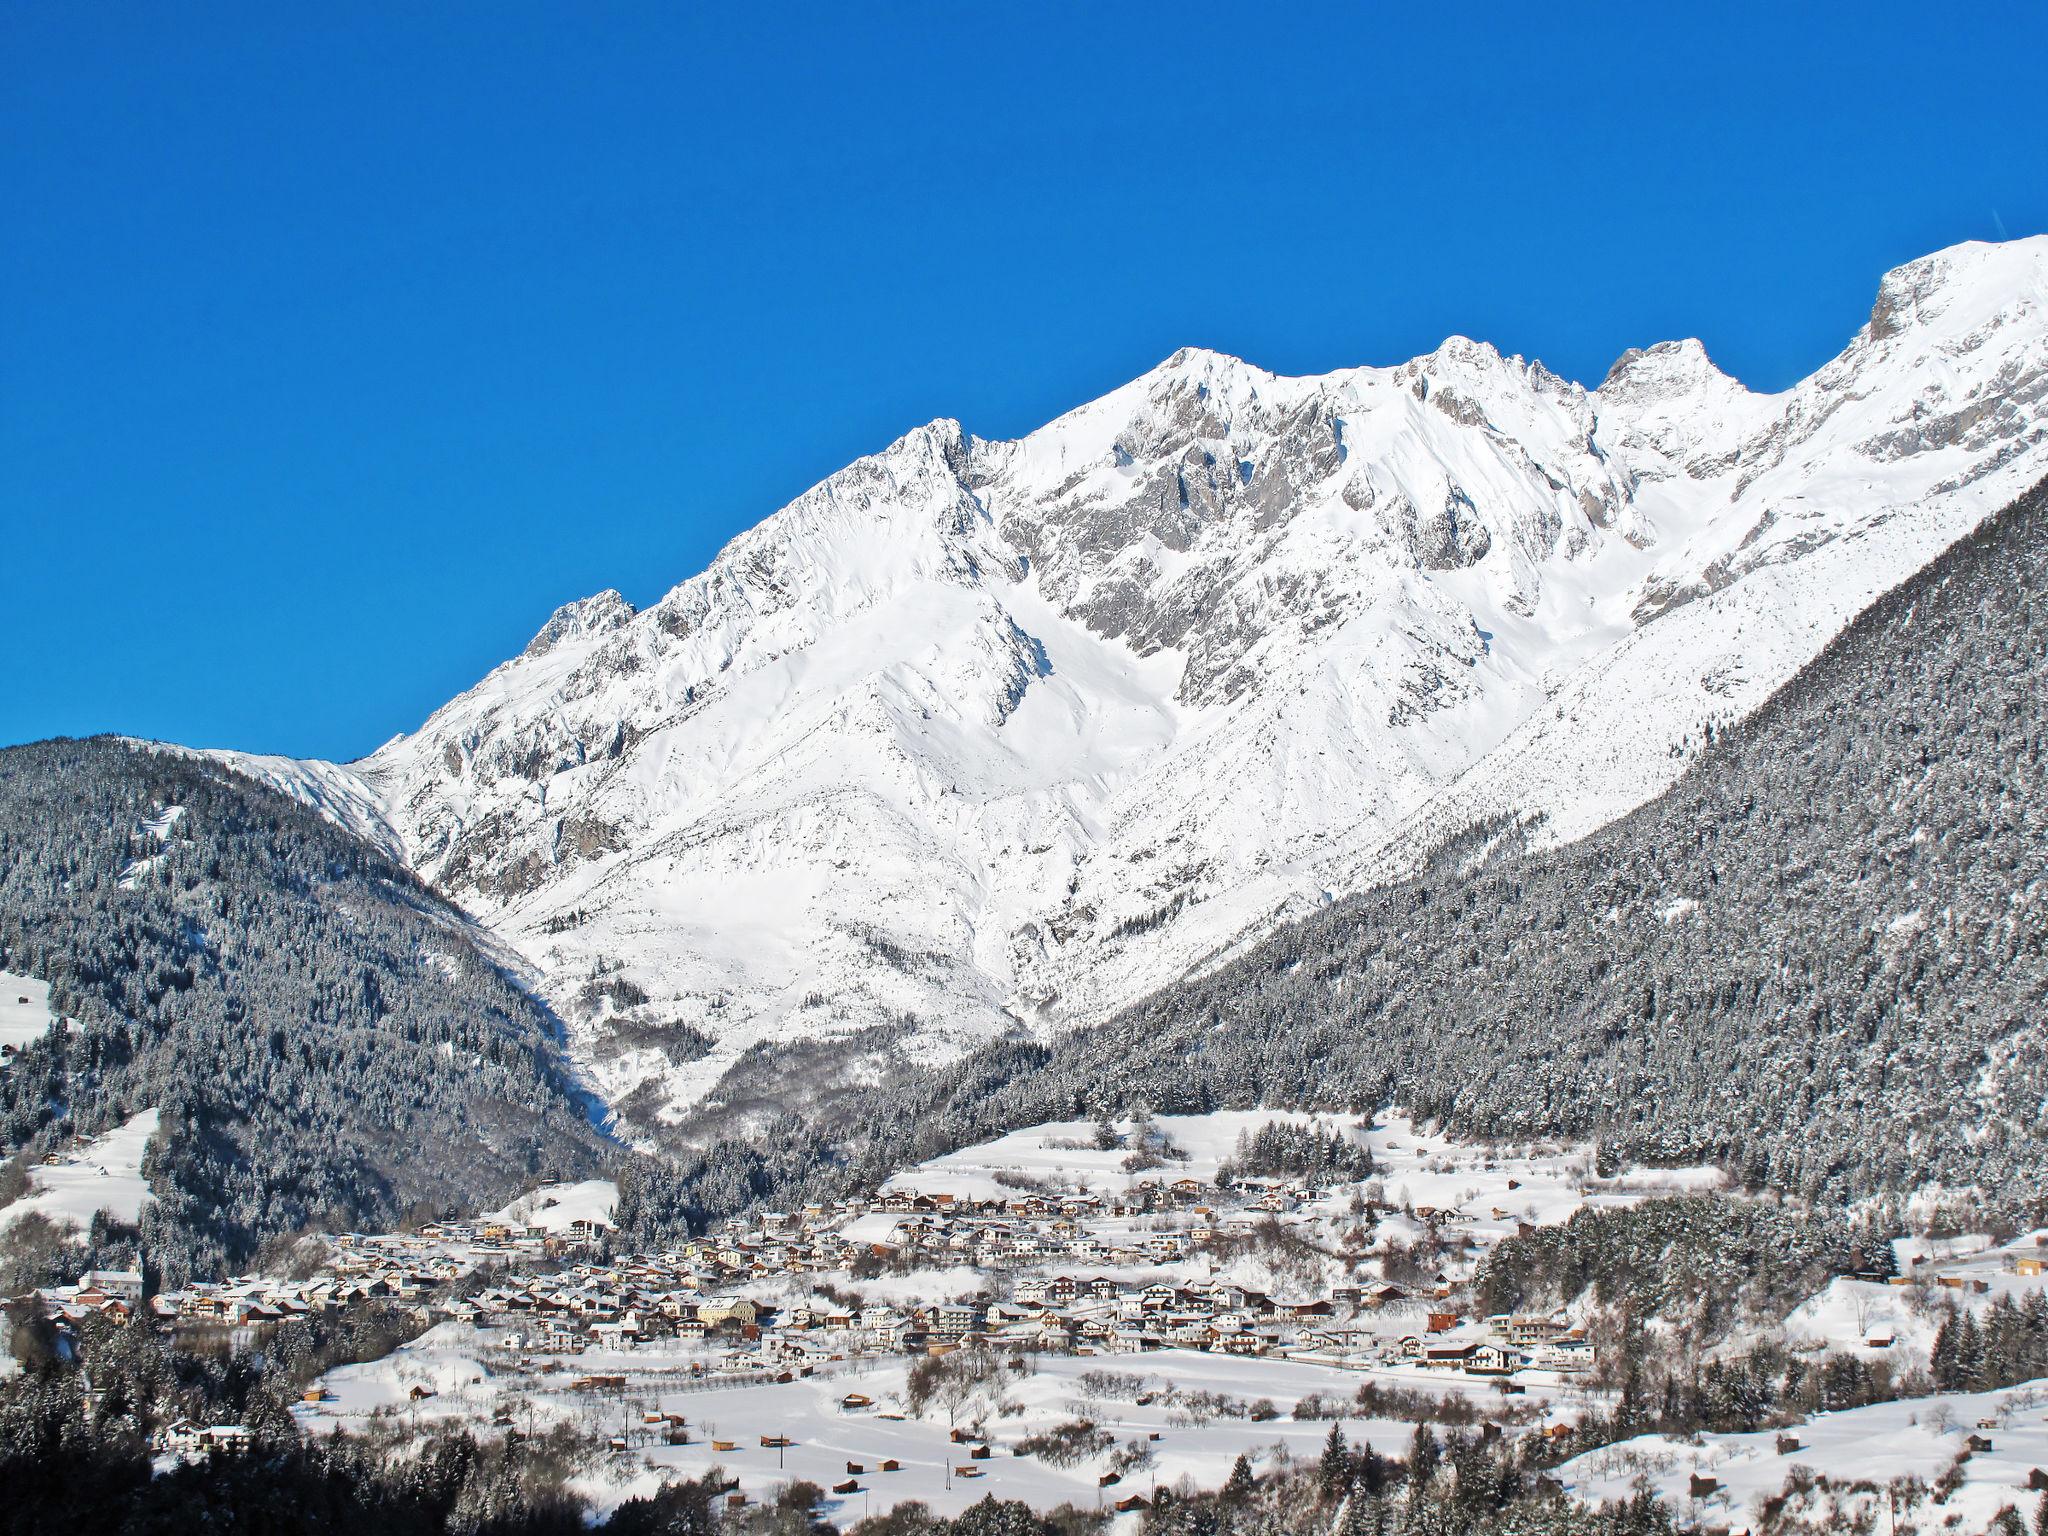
(975, 735)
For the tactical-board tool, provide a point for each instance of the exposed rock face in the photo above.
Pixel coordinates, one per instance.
(976, 734)
(582, 619)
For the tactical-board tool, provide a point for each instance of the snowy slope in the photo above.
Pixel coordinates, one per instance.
(104, 1175)
(976, 735)
(1846, 1461)
(553, 1207)
(24, 1009)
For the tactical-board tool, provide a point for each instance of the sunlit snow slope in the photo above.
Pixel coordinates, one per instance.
(976, 733)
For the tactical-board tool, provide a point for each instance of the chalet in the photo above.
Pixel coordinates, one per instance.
(1492, 1360)
(1304, 1311)
(119, 1284)
(179, 1438)
(1054, 1333)
(1449, 1356)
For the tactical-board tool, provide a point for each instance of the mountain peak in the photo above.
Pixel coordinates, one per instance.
(1202, 367)
(1464, 351)
(1188, 359)
(1662, 371)
(596, 615)
(1964, 283)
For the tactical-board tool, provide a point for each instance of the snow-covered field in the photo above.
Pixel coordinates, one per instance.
(24, 1009)
(1496, 1188)
(1917, 1438)
(1063, 1155)
(471, 1377)
(553, 1207)
(1866, 1318)
(1545, 1183)
(105, 1175)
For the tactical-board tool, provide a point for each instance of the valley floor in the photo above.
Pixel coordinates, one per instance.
(1085, 1313)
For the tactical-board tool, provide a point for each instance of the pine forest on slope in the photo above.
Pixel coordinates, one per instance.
(329, 1043)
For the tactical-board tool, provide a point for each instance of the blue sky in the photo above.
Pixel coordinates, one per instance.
(338, 352)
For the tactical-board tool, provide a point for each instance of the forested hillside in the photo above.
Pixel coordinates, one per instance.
(1818, 959)
(325, 1037)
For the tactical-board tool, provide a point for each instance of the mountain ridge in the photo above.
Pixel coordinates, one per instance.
(978, 735)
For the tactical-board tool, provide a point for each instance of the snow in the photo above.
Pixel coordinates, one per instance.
(104, 1175)
(1908, 1251)
(1916, 1437)
(473, 1372)
(1496, 1188)
(975, 733)
(553, 1207)
(159, 826)
(1848, 1314)
(25, 1015)
(1063, 1153)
